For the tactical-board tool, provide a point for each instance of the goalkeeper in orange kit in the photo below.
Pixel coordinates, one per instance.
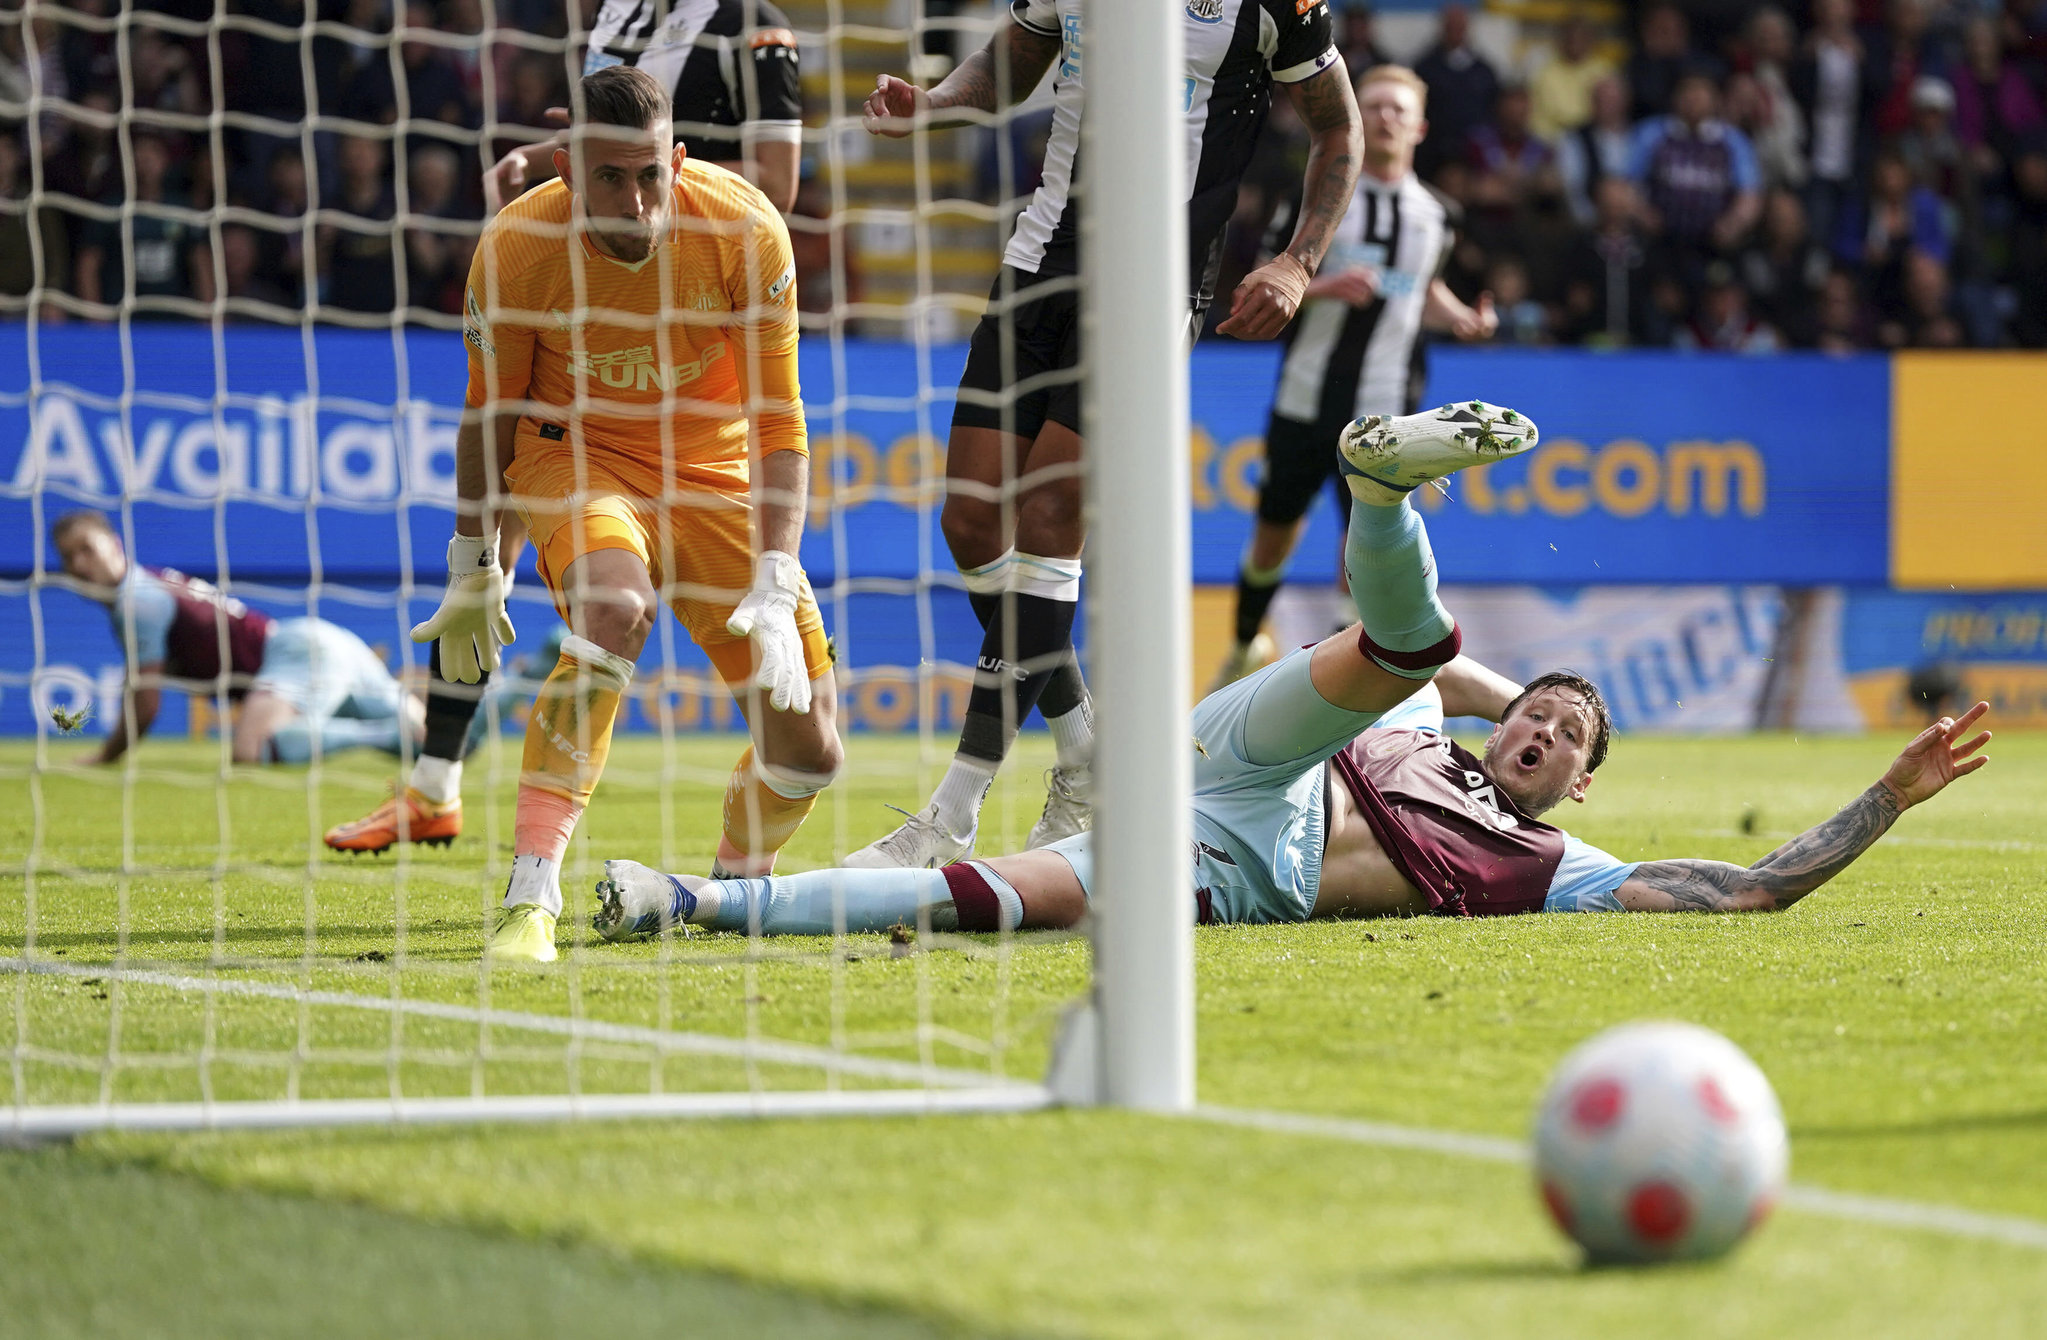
(633, 395)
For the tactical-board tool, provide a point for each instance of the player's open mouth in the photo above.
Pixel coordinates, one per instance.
(1531, 758)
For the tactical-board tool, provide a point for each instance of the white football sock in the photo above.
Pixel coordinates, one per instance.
(711, 900)
(536, 879)
(437, 779)
(959, 794)
(1073, 735)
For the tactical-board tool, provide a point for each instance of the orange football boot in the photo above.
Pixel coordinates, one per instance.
(407, 816)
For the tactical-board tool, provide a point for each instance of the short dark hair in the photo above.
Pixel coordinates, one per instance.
(1588, 692)
(624, 95)
(83, 517)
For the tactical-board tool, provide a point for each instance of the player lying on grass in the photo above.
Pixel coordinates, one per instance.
(1323, 786)
(304, 686)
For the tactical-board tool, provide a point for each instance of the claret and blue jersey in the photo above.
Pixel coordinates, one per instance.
(1259, 828)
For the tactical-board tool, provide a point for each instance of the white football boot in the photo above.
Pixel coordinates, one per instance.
(922, 843)
(634, 900)
(1069, 806)
(1386, 457)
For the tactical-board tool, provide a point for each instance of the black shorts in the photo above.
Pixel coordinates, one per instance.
(1298, 458)
(1016, 381)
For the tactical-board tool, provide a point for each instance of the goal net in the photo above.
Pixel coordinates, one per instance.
(243, 231)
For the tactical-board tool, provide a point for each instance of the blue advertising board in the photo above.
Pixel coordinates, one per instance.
(275, 460)
(280, 465)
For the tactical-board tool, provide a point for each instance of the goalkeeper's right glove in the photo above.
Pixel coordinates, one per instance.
(472, 622)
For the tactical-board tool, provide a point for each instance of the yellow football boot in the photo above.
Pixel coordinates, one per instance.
(523, 934)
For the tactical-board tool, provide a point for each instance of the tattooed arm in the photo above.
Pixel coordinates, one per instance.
(1003, 72)
(1812, 858)
(1266, 300)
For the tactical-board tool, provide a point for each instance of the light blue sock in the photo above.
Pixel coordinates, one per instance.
(1393, 580)
(874, 900)
(293, 742)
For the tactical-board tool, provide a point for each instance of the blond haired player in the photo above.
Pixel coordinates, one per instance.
(1355, 349)
(632, 392)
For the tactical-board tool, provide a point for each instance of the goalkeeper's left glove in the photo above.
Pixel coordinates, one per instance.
(768, 616)
(472, 622)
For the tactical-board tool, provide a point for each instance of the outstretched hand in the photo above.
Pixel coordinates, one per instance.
(891, 109)
(1934, 759)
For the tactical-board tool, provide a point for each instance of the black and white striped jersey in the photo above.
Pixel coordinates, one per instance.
(727, 64)
(1236, 51)
(1343, 361)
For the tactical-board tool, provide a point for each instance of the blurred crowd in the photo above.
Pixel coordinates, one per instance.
(377, 228)
(1859, 174)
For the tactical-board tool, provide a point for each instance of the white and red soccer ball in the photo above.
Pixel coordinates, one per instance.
(1659, 1142)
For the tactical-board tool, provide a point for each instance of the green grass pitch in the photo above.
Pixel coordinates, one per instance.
(1899, 1012)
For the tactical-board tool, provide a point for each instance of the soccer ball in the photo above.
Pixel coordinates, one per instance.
(1659, 1142)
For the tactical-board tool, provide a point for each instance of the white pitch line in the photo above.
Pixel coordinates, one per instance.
(1952, 1221)
(582, 1030)
(1490, 1148)
(33, 1124)
(2009, 1229)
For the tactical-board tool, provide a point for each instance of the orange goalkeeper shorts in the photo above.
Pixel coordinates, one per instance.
(694, 536)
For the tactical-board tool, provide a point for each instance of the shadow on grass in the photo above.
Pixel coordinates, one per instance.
(1475, 1272)
(307, 1266)
(1539, 1269)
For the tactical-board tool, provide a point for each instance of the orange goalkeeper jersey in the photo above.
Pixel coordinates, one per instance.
(657, 361)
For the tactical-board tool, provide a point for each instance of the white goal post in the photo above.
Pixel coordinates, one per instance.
(285, 1011)
(1134, 253)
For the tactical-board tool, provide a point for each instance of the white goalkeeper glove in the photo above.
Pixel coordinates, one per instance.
(768, 616)
(472, 622)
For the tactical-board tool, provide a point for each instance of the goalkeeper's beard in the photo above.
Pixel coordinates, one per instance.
(624, 239)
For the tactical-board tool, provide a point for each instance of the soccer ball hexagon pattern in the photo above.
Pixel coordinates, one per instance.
(1659, 1142)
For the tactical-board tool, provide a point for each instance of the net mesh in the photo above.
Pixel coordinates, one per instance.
(232, 389)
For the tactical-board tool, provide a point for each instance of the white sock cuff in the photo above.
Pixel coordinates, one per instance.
(1007, 899)
(438, 779)
(535, 879)
(1052, 578)
(600, 662)
(991, 578)
(791, 785)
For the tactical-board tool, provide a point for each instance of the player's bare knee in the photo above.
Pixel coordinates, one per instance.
(972, 529)
(1049, 520)
(618, 621)
(803, 769)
